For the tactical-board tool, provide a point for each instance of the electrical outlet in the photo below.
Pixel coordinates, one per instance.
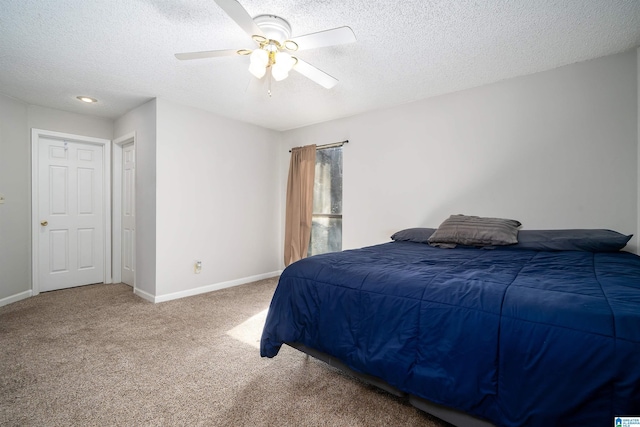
(197, 267)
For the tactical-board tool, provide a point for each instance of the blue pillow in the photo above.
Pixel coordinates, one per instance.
(418, 235)
(590, 240)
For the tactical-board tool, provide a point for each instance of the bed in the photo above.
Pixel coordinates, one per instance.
(506, 335)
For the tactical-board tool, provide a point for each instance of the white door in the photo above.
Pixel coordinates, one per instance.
(71, 221)
(128, 214)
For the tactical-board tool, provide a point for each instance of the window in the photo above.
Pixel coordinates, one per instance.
(326, 227)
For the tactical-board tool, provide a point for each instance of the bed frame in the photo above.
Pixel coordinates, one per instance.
(452, 416)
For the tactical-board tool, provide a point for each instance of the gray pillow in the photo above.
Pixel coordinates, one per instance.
(475, 231)
(418, 235)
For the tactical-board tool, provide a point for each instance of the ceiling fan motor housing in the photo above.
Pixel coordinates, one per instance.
(273, 27)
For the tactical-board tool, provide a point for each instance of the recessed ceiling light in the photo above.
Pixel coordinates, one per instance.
(87, 99)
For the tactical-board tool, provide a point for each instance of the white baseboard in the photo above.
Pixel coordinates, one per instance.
(207, 288)
(15, 298)
(144, 295)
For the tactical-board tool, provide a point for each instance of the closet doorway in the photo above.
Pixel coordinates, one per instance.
(124, 212)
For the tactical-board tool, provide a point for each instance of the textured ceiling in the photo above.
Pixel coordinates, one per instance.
(121, 52)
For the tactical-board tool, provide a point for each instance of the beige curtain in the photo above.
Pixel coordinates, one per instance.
(297, 229)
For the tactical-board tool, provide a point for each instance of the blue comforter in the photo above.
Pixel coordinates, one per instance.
(521, 338)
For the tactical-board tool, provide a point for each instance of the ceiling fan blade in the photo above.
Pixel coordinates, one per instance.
(206, 54)
(315, 74)
(335, 36)
(240, 15)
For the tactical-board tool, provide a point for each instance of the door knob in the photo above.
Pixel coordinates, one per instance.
(44, 223)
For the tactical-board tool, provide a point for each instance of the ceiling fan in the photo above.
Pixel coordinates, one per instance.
(273, 36)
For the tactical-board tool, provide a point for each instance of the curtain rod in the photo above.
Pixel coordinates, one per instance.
(332, 145)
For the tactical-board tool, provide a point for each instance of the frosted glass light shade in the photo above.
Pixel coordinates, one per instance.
(285, 60)
(280, 69)
(259, 57)
(279, 72)
(257, 70)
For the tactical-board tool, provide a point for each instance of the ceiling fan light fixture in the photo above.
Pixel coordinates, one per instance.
(279, 72)
(282, 65)
(259, 61)
(285, 60)
(259, 39)
(290, 45)
(259, 57)
(257, 70)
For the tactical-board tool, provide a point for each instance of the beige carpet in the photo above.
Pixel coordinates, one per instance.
(99, 355)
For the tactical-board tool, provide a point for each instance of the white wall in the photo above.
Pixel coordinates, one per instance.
(142, 121)
(15, 267)
(66, 122)
(217, 200)
(16, 120)
(557, 149)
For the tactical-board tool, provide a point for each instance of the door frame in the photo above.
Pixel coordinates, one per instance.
(118, 143)
(36, 134)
